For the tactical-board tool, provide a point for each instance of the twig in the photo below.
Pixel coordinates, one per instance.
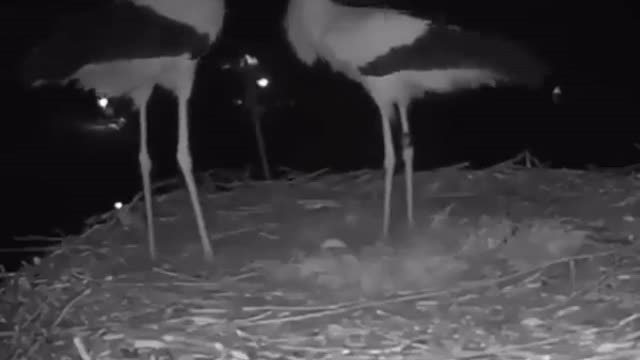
(631, 337)
(39, 238)
(156, 185)
(195, 282)
(619, 354)
(68, 307)
(328, 311)
(32, 349)
(257, 317)
(311, 349)
(222, 235)
(174, 274)
(298, 308)
(28, 249)
(239, 277)
(82, 350)
(308, 177)
(536, 269)
(508, 349)
(331, 310)
(453, 167)
(508, 163)
(451, 195)
(203, 284)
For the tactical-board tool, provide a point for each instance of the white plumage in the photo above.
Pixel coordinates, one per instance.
(124, 49)
(398, 57)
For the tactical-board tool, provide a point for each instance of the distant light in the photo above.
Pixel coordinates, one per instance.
(103, 102)
(103, 125)
(251, 60)
(556, 94)
(118, 205)
(238, 101)
(117, 124)
(263, 82)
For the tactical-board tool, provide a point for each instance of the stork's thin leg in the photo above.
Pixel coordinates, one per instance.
(145, 169)
(262, 149)
(407, 156)
(389, 166)
(184, 159)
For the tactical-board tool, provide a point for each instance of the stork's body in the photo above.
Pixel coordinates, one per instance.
(398, 57)
(126, 48)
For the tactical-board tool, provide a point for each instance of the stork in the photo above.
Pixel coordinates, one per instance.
(123, 49)
(397, 57)
(251, 71)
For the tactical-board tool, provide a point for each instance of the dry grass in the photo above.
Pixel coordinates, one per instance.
(506, 263)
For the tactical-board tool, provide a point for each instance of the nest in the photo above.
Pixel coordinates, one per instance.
(508, 262)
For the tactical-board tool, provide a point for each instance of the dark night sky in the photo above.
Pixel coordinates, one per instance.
(50, 167)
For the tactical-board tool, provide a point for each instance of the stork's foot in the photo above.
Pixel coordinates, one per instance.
(207, 250)
(411, 223)
(383, 239)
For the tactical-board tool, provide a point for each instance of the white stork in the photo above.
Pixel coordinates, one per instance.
(397, 57)
(124, 48)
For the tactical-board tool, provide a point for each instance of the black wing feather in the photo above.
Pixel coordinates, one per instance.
(118, 31)
(442, 47)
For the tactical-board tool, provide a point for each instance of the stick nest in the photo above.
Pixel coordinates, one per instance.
(508, 262)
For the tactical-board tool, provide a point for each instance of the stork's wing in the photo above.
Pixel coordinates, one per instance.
(362, 34)
(206, 16)
(118, 31)
(449, 48)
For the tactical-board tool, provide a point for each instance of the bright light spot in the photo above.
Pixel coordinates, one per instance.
(251, 60)
(238, 101)
(556, 94)
(118, 205)
(105, 125)
(263, 82)
(119, 124)
(103, 102)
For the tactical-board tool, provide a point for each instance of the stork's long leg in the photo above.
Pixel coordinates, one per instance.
(389, 165)
(186, 165)
(145, 169)
(407, 156)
